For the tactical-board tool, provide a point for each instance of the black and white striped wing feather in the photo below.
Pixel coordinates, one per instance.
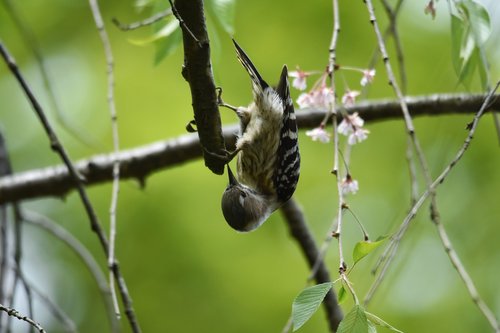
(287, 171)
(258, 83)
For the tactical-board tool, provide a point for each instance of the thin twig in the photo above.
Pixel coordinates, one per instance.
(5, 169)
(96, 13)
(183, 24)
(294, 217)
(143, 23)
(464, 275)
(81, 251)
(56, 310)
(392, 14)
(331, 69)
(332, 111)
(56, 146)
(14, 313)
(410, 128)
(18, 272)
(448, 246)
(4, 253)
(31, 42)
(76, 179)
(332, 55)
(439, 180)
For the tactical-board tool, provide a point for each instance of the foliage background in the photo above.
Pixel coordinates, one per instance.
(187, 271)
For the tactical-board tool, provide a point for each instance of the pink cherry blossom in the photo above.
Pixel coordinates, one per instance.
(360, 134)
(299, 82)
(352, 127)
(368, 75)
(319, 134)
(349, 185)
(305, 100)
(349, 97)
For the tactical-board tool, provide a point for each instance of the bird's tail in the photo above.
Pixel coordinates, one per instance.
(257, 82)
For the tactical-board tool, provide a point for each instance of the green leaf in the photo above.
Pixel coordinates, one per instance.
(342, 295)
(457, 32)
(224, 12)
(166, 46)
(371, 327)
(377, 321)
(467, 48)
(478, 19)
(363, 248)
(354, 322)
(141, 4)
(307, 302)
(215, 45)
(167, 30)
(482, 67)
(470, 32)
(467, 70)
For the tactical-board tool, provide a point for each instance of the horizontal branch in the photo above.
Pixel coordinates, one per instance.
(140, 162)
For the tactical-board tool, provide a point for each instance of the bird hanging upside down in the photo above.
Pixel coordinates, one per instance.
(268, 163)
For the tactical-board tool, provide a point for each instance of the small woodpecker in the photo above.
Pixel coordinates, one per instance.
(268, 160)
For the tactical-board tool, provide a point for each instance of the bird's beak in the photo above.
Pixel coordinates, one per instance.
(232, 179)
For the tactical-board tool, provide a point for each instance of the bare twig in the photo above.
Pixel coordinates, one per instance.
(183, 24)
(79, 249)
(18, 272)
(14, 313)
(464, 275)
(31, 43)
(55, 144)
(144, 23)
(410, 128)
(5, 169)
(392, 13)
(4, 253)
(299, 230)
(96, 13)
(7, 295)
(54, 309)
(439, 180)
(77, 181)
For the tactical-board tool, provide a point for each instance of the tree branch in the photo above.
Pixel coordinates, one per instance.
(140, 162)
(197, 70)
(16, 314)
(299, 230)
(77, 181)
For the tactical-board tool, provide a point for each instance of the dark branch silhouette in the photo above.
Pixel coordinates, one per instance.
(78, 182)
(197, 70)
(299, 230)
(140, 162)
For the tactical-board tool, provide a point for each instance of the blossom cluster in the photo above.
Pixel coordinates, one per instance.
(321, 96)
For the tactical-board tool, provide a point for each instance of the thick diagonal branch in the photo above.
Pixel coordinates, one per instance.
(197, 70)
(299, 230)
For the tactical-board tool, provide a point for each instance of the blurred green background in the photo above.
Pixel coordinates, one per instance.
(186, 270)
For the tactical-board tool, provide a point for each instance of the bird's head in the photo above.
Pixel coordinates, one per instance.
(244, 209)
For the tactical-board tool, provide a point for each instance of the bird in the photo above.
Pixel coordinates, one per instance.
(267, 151)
